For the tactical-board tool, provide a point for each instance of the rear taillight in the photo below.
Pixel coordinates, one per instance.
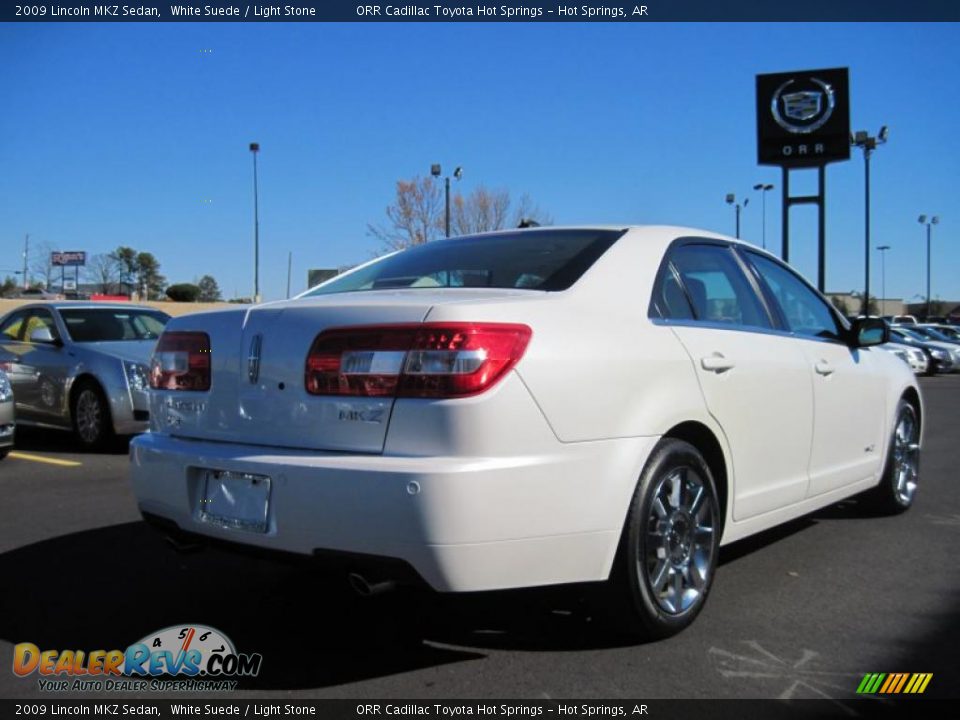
(431, 360)
(181, 361)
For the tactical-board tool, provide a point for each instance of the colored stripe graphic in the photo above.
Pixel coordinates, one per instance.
(903, 679)
(894, 683)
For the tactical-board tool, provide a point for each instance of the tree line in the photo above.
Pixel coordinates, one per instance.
(120, 272)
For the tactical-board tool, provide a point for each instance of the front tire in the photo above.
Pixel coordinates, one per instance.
(901, 474)
(92, 424)
(668, 553)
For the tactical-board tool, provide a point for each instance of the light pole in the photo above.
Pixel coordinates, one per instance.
(26, 255)
(763, 188)
(254, 149)
(933, 221)
(883, 275)
(866, 142)
(457, 173)
(732, 200)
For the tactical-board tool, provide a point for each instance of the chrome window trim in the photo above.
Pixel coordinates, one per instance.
(710, 325)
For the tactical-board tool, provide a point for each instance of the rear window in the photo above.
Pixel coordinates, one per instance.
(527, 260)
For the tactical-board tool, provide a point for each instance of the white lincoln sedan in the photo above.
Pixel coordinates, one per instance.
(526, 408)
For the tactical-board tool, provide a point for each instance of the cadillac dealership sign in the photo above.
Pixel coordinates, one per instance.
(803, 118)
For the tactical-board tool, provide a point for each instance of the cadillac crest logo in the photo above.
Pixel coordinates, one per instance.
(805, 108)
(803, 117)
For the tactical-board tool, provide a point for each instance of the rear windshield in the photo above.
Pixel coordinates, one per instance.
(103, 325)
(527, 260)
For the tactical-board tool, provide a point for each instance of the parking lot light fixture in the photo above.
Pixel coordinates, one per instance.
(254, 149)
(457, 173)
(763, 188)
(932, 221)
(866, 142)
(732, 200)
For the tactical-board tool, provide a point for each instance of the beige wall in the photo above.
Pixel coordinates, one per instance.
(171, 308)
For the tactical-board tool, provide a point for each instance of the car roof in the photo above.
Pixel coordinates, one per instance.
(82, 305)
(660, 234)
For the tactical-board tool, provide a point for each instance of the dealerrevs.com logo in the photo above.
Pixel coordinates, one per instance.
(180, 657)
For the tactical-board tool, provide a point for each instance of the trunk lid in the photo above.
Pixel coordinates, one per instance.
(257, 394)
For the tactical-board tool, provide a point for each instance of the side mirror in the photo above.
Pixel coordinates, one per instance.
(43, 335)
(867, 332)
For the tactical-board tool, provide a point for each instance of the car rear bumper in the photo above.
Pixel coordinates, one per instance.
(461, 524)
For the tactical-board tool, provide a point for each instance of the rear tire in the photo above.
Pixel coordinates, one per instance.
(90, 411)
(668, 552)
(901, 473)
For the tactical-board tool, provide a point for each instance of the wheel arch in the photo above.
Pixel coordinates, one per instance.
(81, 380)
(707, 443)
(913, 397)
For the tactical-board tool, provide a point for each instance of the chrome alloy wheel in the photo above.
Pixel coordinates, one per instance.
(89, 416)
(906, 456)
(678, 553)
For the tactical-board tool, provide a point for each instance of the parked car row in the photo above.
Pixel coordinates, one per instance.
(943, 354)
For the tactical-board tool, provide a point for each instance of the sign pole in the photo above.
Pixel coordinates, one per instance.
(785, 185)
(822, 229)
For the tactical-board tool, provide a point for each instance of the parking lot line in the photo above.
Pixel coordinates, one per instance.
(41, 459)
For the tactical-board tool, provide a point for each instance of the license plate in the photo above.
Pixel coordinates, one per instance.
(235, 500)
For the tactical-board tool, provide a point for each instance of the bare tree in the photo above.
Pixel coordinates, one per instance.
(102, 270)
(415, 217)
(41, 265)
(417, 213)
(484, 210)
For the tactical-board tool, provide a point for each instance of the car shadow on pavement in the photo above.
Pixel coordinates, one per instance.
(741, 548)
(110, 587)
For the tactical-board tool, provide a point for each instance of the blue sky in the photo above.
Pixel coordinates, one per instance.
(131, 134)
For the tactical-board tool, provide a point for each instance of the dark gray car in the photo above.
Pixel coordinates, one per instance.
(81, 366)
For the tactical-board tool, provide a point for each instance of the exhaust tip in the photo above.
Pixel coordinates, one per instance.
(365, 588)
(183, 546)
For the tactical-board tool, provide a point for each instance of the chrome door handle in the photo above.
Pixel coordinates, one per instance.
(716, 363)
(823, 368)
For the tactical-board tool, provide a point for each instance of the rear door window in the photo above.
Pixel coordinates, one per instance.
(715, 288)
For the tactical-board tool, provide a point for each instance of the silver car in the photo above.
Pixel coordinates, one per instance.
(6, 415)
(81, 366)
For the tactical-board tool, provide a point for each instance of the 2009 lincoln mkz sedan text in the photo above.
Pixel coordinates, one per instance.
(529, 408)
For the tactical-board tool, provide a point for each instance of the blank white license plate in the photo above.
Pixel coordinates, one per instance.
(239, 501)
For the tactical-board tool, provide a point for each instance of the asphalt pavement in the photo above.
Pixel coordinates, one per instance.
(803, 611)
